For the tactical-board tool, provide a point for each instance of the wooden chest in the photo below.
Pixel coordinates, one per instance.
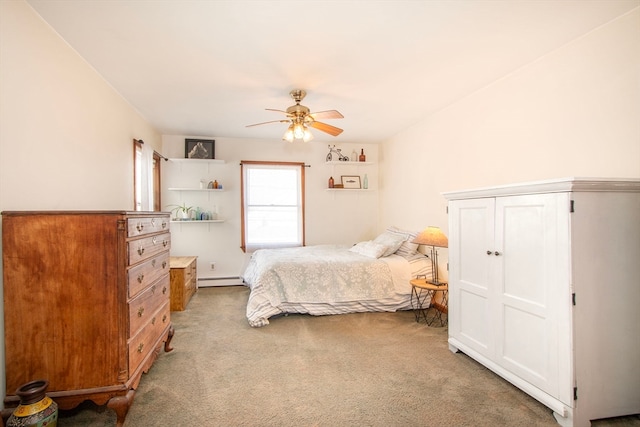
(184, 281)
(86, 302)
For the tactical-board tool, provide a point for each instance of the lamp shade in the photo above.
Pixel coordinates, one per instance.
(432, 236)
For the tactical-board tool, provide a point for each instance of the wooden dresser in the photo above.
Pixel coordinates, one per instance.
(184, 281)
(86, 303)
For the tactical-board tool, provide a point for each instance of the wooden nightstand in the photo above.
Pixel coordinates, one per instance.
(184, 280)
(423, 291)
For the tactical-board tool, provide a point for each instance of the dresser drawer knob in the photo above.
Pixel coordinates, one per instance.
(140, 250)
(153, 222)
(140, 227)
(140, 347)
(164, 318)
(165, 243)
(140, 278)
(164, 264)
(153, 289)
(153, 263)
(153, 321)
(164, 290)
(140, 311)
(164, 224)
(154, 240)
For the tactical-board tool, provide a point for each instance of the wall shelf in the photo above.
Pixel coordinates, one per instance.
(195, 189)
(178, 160)
(191, 221)
(336, 163)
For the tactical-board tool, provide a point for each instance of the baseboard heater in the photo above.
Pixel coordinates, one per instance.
(206, 282)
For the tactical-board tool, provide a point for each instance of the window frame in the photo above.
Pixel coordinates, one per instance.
(153, 180)
(243, 195)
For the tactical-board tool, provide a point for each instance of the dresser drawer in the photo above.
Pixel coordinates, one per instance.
(146, 225)
(190, 286)
(143, 307)
(143, 342)
(141, 249)
(140, 276)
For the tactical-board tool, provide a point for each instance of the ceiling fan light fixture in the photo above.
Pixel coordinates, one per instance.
(288, 135)
(308, 136)
(300, 119)
(298, 130)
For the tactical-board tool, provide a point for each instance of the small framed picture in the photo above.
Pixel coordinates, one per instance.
(199, 149)
(351, 181)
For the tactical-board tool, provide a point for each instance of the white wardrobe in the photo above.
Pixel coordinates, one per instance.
(544, 290)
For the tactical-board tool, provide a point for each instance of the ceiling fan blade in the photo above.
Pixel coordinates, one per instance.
(278, 111)
(331, 130)
(265, 123)
(328, 114)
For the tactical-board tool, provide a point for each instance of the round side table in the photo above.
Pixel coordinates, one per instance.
(422, 293)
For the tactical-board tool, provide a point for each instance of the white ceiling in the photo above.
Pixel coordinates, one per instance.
(209, 68)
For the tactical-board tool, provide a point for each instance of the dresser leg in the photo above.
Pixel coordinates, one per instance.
(167, 343)
(121, 405)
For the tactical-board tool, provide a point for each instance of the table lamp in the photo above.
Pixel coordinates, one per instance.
(434, 237)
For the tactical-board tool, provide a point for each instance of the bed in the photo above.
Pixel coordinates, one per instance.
(334, 279)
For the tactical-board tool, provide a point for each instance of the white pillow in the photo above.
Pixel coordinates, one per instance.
(369, 249)
(391, 240)
(406, 248)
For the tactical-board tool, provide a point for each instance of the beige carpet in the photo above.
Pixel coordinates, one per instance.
(366, 369)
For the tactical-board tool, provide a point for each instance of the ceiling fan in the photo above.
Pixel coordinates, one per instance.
(300, 119)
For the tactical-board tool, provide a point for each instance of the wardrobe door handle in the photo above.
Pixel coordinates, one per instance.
(489, 252)
(497, 253)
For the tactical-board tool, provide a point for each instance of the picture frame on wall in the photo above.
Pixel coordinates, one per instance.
(199, 148)
(351, 181)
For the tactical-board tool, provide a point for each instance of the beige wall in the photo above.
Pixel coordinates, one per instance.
(573, 112)
(66, 135)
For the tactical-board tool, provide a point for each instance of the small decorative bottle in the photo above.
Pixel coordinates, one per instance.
(331, 183)
(354, 156)
(215, 184)
(365, 183)
(363, 158)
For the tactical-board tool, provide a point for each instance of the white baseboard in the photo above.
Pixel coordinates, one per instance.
(206, 282)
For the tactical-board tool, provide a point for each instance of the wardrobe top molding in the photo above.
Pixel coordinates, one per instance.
(560, 185)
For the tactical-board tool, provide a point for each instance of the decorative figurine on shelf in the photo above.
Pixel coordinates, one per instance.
(363, 158)
(341, 157)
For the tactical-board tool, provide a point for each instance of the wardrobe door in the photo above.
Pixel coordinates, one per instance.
(531, 273)
(471, 234)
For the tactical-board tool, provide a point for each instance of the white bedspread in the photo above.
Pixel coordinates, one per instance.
(324, 279)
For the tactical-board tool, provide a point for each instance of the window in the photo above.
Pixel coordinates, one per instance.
(146, 177)
(272, 205)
